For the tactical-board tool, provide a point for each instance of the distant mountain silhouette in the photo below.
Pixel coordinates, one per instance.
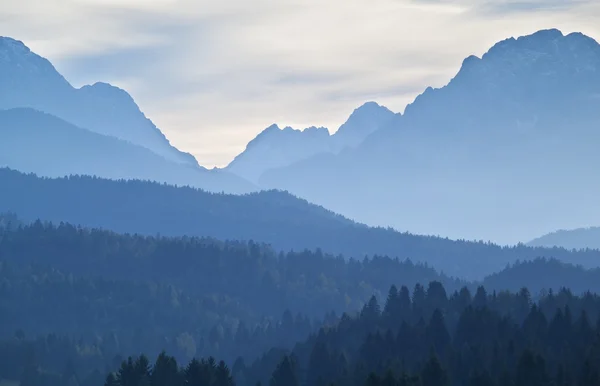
(505, 151)
(580, 238)
(35, 142)
(276, 148)
(29, 80)
(280, 219)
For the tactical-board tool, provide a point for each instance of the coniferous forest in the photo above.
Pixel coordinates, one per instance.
(92, 307)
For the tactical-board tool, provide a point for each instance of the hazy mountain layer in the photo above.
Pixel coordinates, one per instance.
(570, 239)
(35, 142)
(273, 217)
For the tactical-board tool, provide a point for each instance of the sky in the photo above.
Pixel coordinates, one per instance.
(213, 74)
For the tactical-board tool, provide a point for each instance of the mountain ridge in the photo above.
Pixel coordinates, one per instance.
(275, 147)
(33, 141)
(575, 239)
(32, 81)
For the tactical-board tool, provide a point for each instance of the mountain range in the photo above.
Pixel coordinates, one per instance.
(276, 148)
(503, 152)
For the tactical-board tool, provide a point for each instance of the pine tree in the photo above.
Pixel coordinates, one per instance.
(165, 371)
(531, 370)
(111, 380)
(433, 374)
(223, 375)
(285, 373)
(438, 333)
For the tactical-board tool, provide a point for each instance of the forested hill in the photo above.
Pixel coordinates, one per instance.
(434, 338)
(273, 217)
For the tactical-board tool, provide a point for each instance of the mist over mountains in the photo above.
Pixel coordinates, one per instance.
(500, 153)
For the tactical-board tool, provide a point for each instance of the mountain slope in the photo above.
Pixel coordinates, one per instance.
(504, 152)
(272, 217)
(29, 80)
(580, 238)
(35, 142)
(276, 148)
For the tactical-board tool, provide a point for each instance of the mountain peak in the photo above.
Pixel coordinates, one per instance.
(551, 42)
(542, 55)
(19, 64)
(29, 80)
(108, 91)
(545, 34)
(288, 132)
(363, 121)
(369, 108)
(8, 44)
(368, 111)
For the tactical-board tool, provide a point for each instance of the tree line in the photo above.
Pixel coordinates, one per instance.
(277, 218)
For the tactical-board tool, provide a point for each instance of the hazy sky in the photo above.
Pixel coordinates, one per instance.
(212, 74)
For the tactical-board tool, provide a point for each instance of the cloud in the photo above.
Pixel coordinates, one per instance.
(505, 7)
(213, 74)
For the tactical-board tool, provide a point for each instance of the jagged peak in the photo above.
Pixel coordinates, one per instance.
(518, 59)
(319, 130)
(274, 129)
(527, 48)
(536, 38)
(541, 41)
